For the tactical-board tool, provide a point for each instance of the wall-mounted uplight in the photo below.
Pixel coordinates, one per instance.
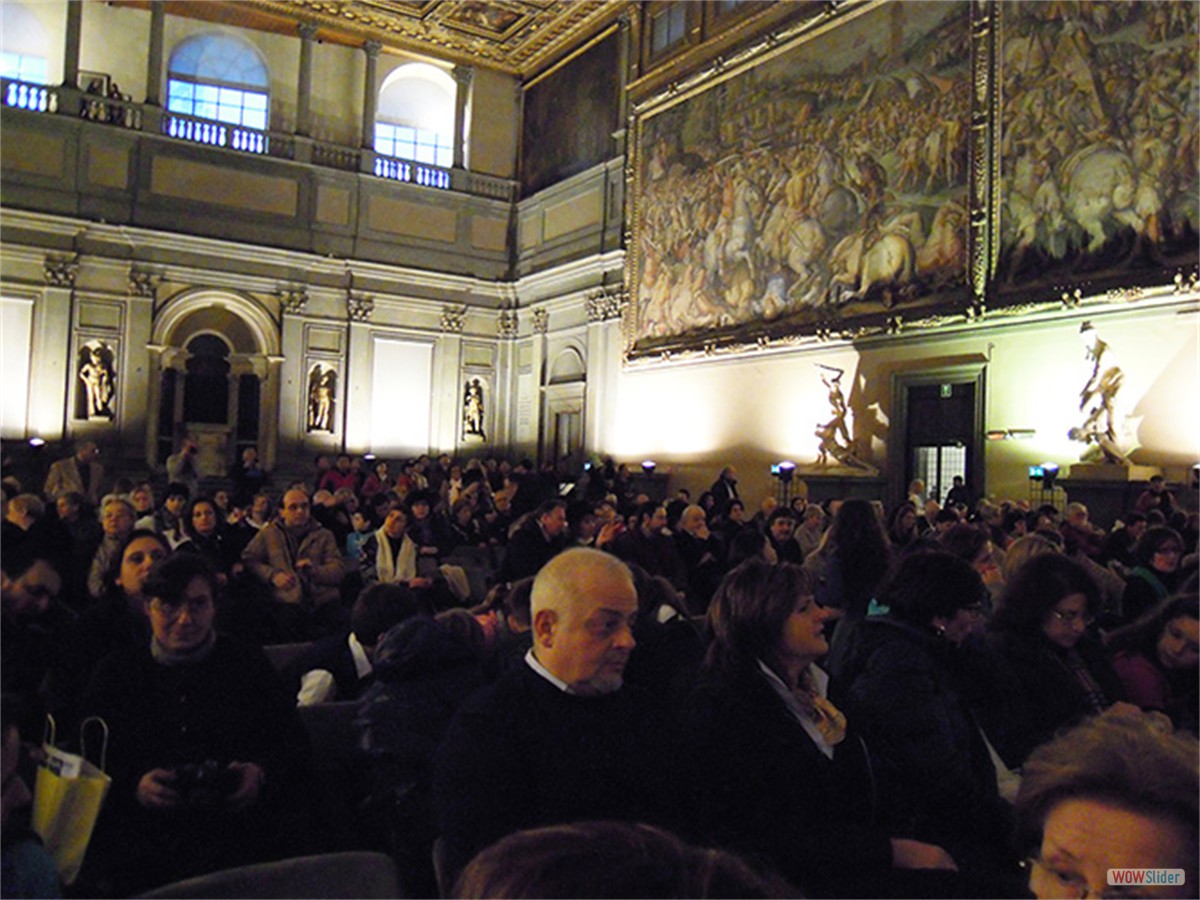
(648, 466)
(37, 443)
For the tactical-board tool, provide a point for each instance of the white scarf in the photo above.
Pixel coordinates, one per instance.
(403, 568)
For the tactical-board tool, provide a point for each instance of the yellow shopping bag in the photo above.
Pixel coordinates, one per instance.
(67, 799)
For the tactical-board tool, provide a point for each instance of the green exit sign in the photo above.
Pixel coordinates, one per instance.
(946, 390)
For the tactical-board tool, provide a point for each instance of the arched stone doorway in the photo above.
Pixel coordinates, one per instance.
(215, 379)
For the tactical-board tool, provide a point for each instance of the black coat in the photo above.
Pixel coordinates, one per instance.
(230, 706)
(1043, 696)
(523, 754)
(759, 785)
(900, 687)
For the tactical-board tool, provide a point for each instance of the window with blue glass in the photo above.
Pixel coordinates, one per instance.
(23, 67)
(221, 77)
(415, 115)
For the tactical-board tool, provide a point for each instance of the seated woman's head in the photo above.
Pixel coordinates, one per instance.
(1159, 549)
(936, 590)
(132, 562)
(765, 612)
(1050, 596)
(180, 594)
(610, 859)
(1168, 634)
(201, 518)
(1025, 548)
(1118, 791)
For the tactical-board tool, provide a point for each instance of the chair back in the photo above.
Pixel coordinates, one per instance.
(329, 875)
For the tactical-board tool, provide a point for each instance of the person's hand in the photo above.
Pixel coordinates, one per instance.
(154, 790)
(249, 787)
(429, 551)
(909, 854)
(283, 580)
(420, 582)
(303, 565)
(609, 532)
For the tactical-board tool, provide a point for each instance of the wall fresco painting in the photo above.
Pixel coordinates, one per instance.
(827, 184)
(1098, 155)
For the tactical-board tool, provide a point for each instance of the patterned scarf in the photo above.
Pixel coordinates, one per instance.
(828, 718)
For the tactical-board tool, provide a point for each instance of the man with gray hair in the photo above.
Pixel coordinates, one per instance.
(561, 738)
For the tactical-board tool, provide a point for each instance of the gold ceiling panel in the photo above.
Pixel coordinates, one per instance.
(519, 37)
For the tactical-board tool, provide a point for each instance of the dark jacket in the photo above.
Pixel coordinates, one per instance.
(759, 785)
(228, 707)
(529, 550)
(900, 687)
(523, 754)
(1044, 696)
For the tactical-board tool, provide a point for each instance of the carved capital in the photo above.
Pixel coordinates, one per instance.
(372, 48)
(144, 282)
(307, 31)
(506, 324)
(463, 75)
(360, 308)
(541, 320)
(453, 319)
(60, 271)
(293, 300)
(606, 303)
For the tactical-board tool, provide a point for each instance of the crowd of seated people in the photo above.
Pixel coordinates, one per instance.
(845, 696)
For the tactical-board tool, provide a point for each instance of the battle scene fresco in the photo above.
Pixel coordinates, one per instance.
(1098, 156)
(822, 185)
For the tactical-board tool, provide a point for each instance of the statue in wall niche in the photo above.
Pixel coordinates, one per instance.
(97, 372)
(473, 409)
(1097, 402)
(322, 388)
(834, 435)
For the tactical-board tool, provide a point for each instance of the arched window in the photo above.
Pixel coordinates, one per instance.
(23, 44)
(415, 115)
(219, 76)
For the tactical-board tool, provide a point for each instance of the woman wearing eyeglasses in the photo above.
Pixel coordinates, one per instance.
(1157, 574)
(1053, 665)
(206, 752)
(907, 680)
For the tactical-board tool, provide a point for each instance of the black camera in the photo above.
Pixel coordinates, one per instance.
(204, 784)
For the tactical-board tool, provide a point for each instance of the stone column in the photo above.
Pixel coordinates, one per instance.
(605, 308)
(71, 53)
(304, 88)
(371, 49)
(154, 61)
(462, 80)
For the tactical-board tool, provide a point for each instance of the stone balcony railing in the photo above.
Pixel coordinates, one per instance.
(122, 113)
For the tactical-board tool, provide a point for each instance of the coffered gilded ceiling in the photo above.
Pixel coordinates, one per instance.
(519, 37)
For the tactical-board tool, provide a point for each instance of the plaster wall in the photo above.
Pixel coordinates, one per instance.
(115, 40)
(492, 133)
(755, 410)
